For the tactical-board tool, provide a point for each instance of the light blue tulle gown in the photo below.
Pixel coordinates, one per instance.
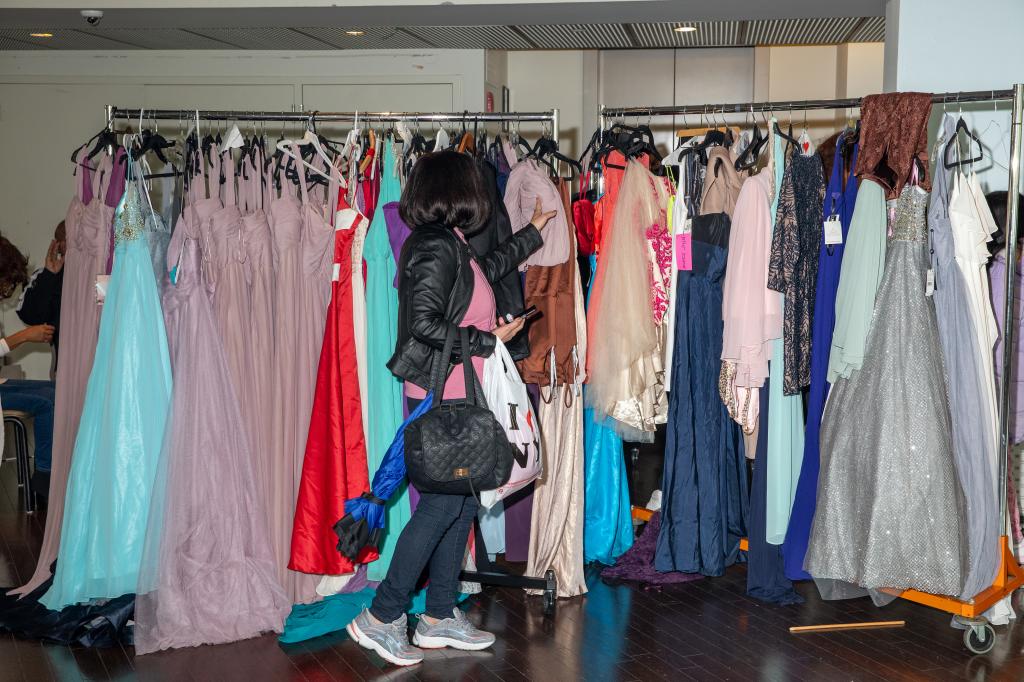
(122, 426)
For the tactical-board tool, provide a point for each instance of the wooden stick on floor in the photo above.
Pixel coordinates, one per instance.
(834, 627)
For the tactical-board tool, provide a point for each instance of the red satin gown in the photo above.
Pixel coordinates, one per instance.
(334, 468)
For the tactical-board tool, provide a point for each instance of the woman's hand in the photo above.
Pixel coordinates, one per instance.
(506, 330)
(55, 257)
(39, 333)
(540, 218)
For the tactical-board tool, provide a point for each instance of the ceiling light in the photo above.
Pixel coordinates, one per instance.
(41, 35)
(355, 33)
(685, 29)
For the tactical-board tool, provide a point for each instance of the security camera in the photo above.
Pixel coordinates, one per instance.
(92, 16)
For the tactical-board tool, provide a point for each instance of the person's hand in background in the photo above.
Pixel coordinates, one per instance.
(540, 218)
(55, 257)
(37, 333)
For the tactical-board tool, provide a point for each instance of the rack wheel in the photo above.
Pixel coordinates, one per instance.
(550, 592)
(980, 639)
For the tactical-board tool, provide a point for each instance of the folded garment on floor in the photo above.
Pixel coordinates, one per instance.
(638, 563)
(102, 623)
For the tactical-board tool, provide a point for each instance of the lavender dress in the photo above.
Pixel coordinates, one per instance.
(207, 574)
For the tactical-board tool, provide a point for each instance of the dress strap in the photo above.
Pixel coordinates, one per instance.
(102, 169)
(229, 171)
(300, 170)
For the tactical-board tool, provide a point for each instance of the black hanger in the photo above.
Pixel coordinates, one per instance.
(546, 147)
(787, 137)
(104, 139)
(152, 142)
(748, 159)
(961, 125)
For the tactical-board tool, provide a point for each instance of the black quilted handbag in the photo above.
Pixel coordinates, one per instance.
(457, 447)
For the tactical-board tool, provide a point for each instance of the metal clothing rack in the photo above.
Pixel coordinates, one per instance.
(487, 573)
(979, 637)
(552, 116)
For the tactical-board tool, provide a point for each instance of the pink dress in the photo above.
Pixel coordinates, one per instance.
(751, 312)
(303, 239)
(481, 314)
(284, 212)
(257, 240)
(88, 222)
(207, 574)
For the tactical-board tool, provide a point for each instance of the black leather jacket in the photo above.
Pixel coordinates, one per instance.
(435, 285)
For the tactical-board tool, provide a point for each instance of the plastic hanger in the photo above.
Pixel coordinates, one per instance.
(748, 158)
(309, 138)
(954, 143)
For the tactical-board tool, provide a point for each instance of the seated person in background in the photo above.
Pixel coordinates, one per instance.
(33, 397)
(40, 299)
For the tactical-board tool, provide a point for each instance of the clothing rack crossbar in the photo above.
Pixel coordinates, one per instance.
(795, 105)
(326, 116)
(551, 116)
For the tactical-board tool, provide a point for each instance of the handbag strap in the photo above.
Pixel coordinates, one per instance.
(439, 374)
(467, 367)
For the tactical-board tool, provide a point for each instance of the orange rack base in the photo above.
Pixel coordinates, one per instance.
(1010, 577)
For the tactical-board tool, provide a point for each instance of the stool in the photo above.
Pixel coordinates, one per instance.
(19, 425)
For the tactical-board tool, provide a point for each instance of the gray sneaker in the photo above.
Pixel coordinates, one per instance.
(390, 640)
(456, 632)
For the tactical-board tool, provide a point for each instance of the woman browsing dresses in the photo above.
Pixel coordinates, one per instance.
(441, 284)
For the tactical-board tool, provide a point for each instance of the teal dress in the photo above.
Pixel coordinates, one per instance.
(385, 391)
(785, 415)
(122, 427)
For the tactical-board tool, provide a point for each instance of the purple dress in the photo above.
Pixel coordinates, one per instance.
(208, 574)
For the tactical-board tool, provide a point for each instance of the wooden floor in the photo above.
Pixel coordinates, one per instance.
(707, 630)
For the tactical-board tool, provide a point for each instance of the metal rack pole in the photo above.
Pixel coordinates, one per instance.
(1010, 308)
(328, 116)
(795, 105)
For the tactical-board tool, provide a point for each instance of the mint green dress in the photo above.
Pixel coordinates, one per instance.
(863, 264)
(785, 414)
(385, 391)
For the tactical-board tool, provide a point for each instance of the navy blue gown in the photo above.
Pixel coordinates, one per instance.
(838, 201)
(704, 484)
(765, 578)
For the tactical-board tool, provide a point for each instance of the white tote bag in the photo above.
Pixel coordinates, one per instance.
(507, 397)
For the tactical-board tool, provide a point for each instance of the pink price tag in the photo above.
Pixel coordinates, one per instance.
(684, 251)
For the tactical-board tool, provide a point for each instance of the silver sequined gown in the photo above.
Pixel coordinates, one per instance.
(889, 501)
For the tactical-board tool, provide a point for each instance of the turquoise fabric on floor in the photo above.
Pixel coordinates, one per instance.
(333, 613)
(385, 390)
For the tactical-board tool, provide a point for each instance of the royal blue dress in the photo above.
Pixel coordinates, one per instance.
(839, 201)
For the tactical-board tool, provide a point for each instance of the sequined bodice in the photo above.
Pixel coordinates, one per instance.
(130, 223)
(910, 223)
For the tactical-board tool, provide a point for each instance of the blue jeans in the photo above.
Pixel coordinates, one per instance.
(436, 533)
(36, 398)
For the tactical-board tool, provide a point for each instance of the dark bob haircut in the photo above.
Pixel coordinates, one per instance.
(445, 188)
(13, 268)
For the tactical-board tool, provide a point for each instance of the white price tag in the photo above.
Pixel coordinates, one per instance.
(929, 285)
(833, 230)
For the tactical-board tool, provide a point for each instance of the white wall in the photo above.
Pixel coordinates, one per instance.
(943, 46)
(546, 79)
(52, 102)
(693, 76)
